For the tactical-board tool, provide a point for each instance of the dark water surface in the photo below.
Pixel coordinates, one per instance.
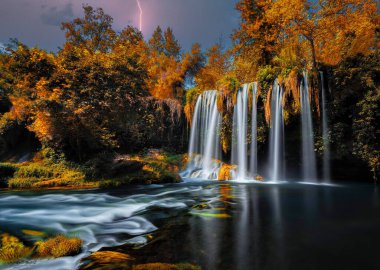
(214, 225)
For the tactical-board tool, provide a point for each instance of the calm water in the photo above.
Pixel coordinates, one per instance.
(217, 226)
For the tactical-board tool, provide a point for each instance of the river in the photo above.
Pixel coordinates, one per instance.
(216, 225)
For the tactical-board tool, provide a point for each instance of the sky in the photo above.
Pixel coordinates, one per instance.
(37, 22)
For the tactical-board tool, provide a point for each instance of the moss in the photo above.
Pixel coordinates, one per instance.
(166, 266)
(12, 249)
(266, 76)
(41, 175)
(33, 233)
(108, 260)
(153, 166)
(190, 101)
(259, 178)
(58, 246)
(225, 172)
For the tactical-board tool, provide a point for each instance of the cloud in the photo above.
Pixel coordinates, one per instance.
(55, 15)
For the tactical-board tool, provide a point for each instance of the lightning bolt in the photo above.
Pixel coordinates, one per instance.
(141, 14)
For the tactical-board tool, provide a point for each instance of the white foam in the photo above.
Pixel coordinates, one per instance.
(99, 219)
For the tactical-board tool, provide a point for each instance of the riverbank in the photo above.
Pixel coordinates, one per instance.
(46, 170)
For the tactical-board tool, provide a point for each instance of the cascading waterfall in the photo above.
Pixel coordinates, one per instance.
(204, 147)
(308, 154)
(253, 161)
(239, 133)
(325, 134)
(276, 146)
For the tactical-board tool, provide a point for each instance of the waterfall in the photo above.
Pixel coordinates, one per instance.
(253, 161)
(325, 134)
(276, 146)
(204, 147)
(308, 154)
(239, 133)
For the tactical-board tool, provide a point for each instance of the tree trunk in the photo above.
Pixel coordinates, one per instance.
(311, 40)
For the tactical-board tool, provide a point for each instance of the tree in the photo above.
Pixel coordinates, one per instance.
(157, 42)
(172, 48)
(94, 31)
(167, 70)
(130, 35)
(330, 30)
(367, 131)
(216, 67)
(257, 37)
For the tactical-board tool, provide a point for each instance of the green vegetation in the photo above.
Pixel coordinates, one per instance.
(49, 170)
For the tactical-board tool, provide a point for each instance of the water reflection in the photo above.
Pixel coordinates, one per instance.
(284, 227)
(218, 226)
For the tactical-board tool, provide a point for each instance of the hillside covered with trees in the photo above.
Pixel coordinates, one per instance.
(110, 94)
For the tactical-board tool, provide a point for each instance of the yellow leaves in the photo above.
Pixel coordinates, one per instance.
(267, 107)
(43, 91)
(20, 108)
(292, 87)
(42, 125)
(338, 29)
(165, 73)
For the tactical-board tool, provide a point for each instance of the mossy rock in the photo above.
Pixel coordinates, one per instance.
(12, 249)
(166, 266)
(108, 260)
(58, 246)
(225, 172)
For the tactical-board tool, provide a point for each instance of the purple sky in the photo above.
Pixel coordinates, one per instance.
(37, 22)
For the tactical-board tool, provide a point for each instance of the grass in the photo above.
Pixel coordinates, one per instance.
(41, 175)
(45, 171)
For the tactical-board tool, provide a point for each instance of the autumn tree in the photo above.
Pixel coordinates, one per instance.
(157, 42)
(256, 39)
(167, 68)
(172, 47)
(325, 31)
(215, 68)
(93, 31)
